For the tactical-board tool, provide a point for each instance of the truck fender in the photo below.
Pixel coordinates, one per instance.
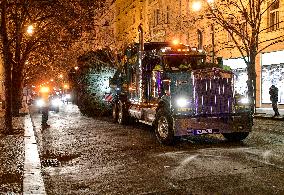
(162, 104)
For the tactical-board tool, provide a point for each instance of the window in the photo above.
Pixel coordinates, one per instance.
(200, 39)
(141, 14)
(273, 15)
(158, 16)
(167, 19)
(134, 19)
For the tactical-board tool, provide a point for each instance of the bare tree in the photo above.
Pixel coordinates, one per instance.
(245, 22)
(53, 26)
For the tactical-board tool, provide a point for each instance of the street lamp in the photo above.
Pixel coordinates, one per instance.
(30, 29)
(175, 41)
(196, 6)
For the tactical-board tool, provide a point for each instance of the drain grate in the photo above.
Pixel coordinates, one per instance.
(50, 163)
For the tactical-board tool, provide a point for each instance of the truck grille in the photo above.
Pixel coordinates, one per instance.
(213, 91)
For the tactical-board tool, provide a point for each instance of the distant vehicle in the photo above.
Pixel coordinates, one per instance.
(174, 89)
(67, 98)
(54, 103)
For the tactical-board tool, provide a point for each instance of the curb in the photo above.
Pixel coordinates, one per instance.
(265, 117)
(33, 181)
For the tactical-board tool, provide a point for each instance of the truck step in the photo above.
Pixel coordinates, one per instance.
(145, 122)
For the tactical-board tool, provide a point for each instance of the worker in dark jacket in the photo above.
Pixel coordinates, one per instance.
(273, 91)
(44, 93)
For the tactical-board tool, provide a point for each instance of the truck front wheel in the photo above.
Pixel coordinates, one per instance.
(164, 127)
(236, 136)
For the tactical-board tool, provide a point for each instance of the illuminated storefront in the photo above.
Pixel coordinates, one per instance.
(239, 69)
(272, 74)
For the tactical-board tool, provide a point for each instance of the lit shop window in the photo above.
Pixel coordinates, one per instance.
(272, 75)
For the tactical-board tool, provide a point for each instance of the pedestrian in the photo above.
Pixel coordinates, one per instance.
(273, 92)
(44, 92)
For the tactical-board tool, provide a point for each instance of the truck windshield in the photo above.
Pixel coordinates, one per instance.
(182, 62)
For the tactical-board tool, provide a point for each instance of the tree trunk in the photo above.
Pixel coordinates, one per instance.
(17, 92)
(252, 81)
(8, 128)
(17, 70)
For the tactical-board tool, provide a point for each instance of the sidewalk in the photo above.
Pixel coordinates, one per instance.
(20, 170)
(267, 113)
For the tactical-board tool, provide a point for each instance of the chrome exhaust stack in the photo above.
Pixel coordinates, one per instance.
(140, 68)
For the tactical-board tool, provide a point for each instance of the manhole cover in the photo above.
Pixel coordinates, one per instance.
(50, 163)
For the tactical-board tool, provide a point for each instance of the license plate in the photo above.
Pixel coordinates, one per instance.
(203, 131)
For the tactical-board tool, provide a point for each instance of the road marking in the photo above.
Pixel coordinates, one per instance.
(33, 182)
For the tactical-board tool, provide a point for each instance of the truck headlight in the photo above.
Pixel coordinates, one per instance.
(244, 100)
(182, 102)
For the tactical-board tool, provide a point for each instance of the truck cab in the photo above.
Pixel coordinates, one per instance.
(173, 88)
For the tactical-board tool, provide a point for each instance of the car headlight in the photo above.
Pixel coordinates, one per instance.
(56, 102)
(40, 103)
(182, 102)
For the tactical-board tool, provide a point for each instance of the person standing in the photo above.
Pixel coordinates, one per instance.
(44, 93)
(273, 92)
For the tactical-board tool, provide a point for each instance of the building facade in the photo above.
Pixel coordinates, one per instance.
(167, 20)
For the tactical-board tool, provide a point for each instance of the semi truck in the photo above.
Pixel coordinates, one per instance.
(172, 88)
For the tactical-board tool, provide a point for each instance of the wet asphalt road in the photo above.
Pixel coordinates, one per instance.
(82, 155)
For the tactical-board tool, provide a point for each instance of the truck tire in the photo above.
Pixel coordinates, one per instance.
(164, 127)
(122, 116)
(236, 136)
(115, 112)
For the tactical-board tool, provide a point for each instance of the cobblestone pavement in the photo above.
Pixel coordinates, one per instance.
(12, 157)
(82, 155)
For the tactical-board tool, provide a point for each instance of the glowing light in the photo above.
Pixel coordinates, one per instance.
(182, 102)
(30, 30)
(51, 80)
(56, 102)
(65, 86)
(210, 1)
(76, 68)
(175, 41)
(244, 100)
(40, 103)
(196, 6)
(44, 89)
